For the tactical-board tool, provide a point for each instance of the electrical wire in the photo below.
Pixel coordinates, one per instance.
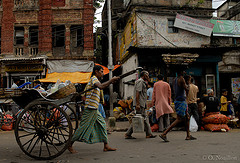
(156, 31)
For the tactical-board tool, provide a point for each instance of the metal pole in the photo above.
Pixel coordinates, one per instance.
(110, 60)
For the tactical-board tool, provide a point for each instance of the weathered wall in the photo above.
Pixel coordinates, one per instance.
(8, 20)
(131, 64)
(152, 30)
(45, 27)
(205, 4)
(69, 16)
(44, 14)
(128, 37)
(88, 16)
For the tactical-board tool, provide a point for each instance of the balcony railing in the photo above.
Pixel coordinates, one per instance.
(26, 4)
(18, 51)
(33, 51)
(21, 51)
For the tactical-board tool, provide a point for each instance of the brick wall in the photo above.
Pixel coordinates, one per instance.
(88, 16)
(44, 17)
(45, 26)
(7, 32)
(58, 3)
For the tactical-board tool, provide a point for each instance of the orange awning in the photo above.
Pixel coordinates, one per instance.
(106, 70)
(74, 77)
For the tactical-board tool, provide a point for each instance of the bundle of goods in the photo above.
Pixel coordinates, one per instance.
(154, 127)
(215, 122)
(6, 122)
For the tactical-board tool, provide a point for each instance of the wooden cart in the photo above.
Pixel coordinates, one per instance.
(44, 129)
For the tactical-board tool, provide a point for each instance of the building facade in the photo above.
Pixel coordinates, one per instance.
(150, 39)
(229, 68)
(34, 30)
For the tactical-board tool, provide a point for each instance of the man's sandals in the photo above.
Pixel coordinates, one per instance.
(151, 136)
(190, 138)
(164, 138)
(129, 137)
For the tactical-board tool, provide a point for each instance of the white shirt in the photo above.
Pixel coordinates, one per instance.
(14, 86)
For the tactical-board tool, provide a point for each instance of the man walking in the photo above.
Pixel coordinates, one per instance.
(161, 99)
(180, 103)
(192, 99)
(92, 128)
(139, 102)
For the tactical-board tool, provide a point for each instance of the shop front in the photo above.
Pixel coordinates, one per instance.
(229, 70)
(200, 63)
(27, 69)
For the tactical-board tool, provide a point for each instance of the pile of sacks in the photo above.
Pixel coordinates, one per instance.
(215, 122)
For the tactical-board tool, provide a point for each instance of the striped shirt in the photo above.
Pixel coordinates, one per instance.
(93, 96)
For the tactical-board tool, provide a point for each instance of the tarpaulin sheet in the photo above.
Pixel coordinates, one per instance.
(60, 66)
(74, 77)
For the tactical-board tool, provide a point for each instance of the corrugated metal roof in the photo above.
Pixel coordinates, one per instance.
(20, 58)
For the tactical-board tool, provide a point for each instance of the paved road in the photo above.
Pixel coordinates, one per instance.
(209, 147)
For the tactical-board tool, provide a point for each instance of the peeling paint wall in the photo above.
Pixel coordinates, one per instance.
(152, 30)
(128, 37)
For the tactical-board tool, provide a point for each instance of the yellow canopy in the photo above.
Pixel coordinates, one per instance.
(74, 77)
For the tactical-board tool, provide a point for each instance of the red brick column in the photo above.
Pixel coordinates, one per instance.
(45, 27)
(88, 19)
(26, 41)
(67, 40)
(7, 32)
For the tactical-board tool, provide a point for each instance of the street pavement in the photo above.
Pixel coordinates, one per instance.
(209, 147)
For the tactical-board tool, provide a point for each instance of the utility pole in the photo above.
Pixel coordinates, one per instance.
(110, 60)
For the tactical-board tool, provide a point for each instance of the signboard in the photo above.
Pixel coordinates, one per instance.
(227, 28)
(23, 68)
(235, 86)
(193, 25)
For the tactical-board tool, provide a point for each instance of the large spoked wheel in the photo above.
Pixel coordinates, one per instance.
(51, 130)
(72, 115)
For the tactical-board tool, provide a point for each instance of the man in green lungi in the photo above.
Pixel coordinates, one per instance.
(92, 128)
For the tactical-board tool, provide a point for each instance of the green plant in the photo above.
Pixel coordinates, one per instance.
(97, 3)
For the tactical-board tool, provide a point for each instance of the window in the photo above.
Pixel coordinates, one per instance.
(58, 36)
(171, 28)
(132, 30)
(33, 35)
(77, 35)
(19, 35)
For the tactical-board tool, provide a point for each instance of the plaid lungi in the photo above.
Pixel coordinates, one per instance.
(92, 128)
(181, 107)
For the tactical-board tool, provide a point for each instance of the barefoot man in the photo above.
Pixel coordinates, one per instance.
(92, 128)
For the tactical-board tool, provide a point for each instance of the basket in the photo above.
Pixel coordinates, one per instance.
(63, 92)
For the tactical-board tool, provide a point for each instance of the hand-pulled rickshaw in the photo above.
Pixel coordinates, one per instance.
(44, 129)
